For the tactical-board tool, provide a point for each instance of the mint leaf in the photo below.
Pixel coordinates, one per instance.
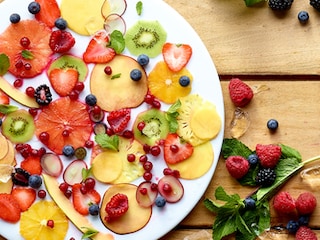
(224, 225)
(118, 75)
(4, 64)
(89, 233)
(250, 3)
(117, 41)
(6, 109)
(26, 54)
(85, 173)
(288, 152)
(139, 6)
(171, 115)
(106, 141)
(234, 147)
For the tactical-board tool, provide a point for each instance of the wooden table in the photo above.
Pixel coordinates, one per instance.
(261, 48)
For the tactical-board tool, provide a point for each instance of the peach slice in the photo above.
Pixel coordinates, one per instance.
(134, 219)
(6, 187)
(9, 158)
(118, 90)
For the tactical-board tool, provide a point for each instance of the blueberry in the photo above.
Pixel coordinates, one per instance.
(160, 202)
(91, 100)
(303, 220)
(303, 16)
(143, 60)
(68, 150)
(0, 122)
(34, 8)
(184, 81)
(292, 226)
(272, 124)
(94, 209)
(35, 181)
(15, 18)
(249, 203)
(135, 74)
(61, 24)
(253, 159)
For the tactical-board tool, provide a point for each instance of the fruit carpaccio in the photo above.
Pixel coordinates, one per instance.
(137, 159)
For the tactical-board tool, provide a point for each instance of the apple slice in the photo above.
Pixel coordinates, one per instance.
(114, 22)
(113, 7)
(170, 188)
(9, 158)
(146, 194)
(73, 173)
(51, 164)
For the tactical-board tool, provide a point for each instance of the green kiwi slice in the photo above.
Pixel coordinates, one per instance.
(18, 126)
(145, 37)
(156, 126)
(69, 61)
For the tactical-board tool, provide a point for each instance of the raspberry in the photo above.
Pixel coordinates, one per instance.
(117, 206)
(306, 203)
(266, 177)
(284, 203)
(269, 155)
(240, 93)
(280, 5)
(305, 233)
(237, 166)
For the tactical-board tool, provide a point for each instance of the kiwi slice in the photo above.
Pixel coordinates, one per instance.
(69, 61)
(145, 37)
(18, 126)
(156, 126)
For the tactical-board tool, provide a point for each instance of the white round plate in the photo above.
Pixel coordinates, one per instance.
(206, 83)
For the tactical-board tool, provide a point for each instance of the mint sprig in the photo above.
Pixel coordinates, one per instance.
(250, 3)
(89, 233)
(117, 41)
(106, 141)
(171, 115)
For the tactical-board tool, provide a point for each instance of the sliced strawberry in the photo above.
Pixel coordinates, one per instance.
(9, 208)
(32, 165)
(117, 206)
(25, 197)
(61, 41)
(81, 202)
(119, 119)
(176, 149)
(176, 56)
(97, 50)
(63, 81)
(49, 12)
(4, 98)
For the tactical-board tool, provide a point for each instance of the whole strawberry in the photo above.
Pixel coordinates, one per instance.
(284, 203)
(306, 203)
(237, 166)
(240, 93)
(305, 233)
(268, 155)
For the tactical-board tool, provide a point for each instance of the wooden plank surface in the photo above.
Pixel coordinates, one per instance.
(255, 40)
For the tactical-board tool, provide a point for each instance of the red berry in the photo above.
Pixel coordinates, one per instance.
(18, 83)
(147, 166)
(25, 42)
(155, 150)
(33, 111)
(131, 157)
(73, 95)
(42, 193)
(156, 104)
(96, 109)
(89, 144)
(146, 148)
(117, 206)
(147, 176)
(240, 93)
(141, 126)
(167, 188)
(108, 70)
(268, 155)
(30, 91)
(149, 99)
(167, 171)
(44, 137)
(237, 166)
(305, 233)
(143, 158)
(127, 134)
(284, 203)
(50, 223)
(143, 191)
(64, 187)
(174, 148)
(90, 183)
(306, 203)
(79, 86)
(83, 189)
(65, 133)
(41, 151)
(27, 66)
(68, 193)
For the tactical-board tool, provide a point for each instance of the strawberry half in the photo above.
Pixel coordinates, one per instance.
(63, 81)
(176, 149)
(176, 56)
(97, 50)
(25, 197)
(32, 165)
(49, 12)
(119, 119)
(117, 206)
(61, 41)
(81, 202)
(9, 208)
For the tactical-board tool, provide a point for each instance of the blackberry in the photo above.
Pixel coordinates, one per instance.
(265, 177)
(43, 95)
(20, 177)
(280, 5)
(315, 4)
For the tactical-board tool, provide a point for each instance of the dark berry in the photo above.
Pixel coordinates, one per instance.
(91, 100)
(68, 151)
(15, 18)
(61, 24)
(303, 220)
(249, 203)
(34, 7)
(43, 95)
(280, 5)
(292, 226)
(20, 177)
(143, 60)
(135, 74)
(253, 159)
(80, 153)
(266, 177)
(160, 201)
(42, 194)
(303, 16)
(94, 209)
(272, 124)
(184, 81)
(35, 181)
(315, 4)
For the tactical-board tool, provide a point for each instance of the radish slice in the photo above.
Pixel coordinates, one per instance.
(114, 22)
(146, 194)
(113, 7)
(73, 173)
(170, 188)
(51, 164)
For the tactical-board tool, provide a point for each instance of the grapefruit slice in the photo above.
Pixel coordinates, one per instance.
(60, 115)
(28, 61)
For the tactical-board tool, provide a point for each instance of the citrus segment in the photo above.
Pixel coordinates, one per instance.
(164, 84)
(60, 115)
(33, 223)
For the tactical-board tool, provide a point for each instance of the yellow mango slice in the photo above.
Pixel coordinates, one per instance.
(205, 122)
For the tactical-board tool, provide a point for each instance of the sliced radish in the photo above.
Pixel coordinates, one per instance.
(114, 22)
(73, 173)
(146, 194)
(170, 188)
(51, 164)
(113, 7)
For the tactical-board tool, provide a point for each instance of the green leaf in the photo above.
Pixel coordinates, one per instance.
(118, 75)
(117, 41)
(211, 205)
(106, 141)
(250, 178)
(139, 6)
(234, 147)
(26, 54)
(89, 233)
(171, 115)
(4, 64)
(288, 152)
(85, 173)
(250, 3)
(6, 109)
(221, 194)
(224, 225)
